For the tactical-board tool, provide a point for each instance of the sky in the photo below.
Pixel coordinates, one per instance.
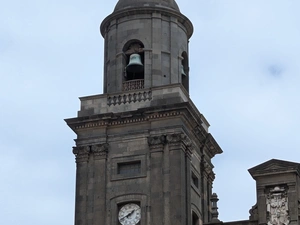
(244, 77)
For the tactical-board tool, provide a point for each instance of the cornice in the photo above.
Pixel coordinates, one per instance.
(186, 110)
(146, 10)
(274, 166)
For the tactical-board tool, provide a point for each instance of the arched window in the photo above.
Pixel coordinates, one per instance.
(134, 65)
(134, 54)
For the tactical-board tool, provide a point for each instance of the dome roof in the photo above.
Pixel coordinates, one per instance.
(127, 4)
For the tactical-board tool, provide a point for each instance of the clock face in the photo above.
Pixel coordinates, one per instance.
(130, 214)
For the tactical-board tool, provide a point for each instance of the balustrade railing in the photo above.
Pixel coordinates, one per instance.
(133, 85)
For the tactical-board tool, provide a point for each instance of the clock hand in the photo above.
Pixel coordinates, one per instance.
(127, 215)
(130, 213)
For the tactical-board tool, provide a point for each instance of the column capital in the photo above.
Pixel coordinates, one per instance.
(156, 142)
(208, 172)
(81, 153)
(100, 151)
(181, 140)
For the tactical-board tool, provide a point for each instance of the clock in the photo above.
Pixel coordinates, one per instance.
(130, 214)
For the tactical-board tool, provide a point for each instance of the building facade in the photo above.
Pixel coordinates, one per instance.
(143, 150)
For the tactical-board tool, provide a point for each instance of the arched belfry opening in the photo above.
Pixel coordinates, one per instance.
(134, 65)
(184, 70)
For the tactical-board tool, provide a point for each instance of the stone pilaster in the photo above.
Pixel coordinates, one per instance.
(82, 156)
(207, 179)
(156, 145)
(261, 204)
(178, 145)
(99, 152)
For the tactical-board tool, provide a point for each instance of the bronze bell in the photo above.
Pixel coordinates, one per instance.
(135, 64)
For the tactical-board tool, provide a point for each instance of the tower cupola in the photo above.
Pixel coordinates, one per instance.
(146, 46)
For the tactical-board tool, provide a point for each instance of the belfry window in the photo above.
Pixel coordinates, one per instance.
(134, 65)
(184, 70)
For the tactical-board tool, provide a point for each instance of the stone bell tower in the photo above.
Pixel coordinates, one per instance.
(143, 150)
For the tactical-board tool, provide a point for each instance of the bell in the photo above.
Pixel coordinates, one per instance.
(182, 71)
(135, 64)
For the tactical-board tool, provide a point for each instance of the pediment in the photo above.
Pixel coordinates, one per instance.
(274, 166)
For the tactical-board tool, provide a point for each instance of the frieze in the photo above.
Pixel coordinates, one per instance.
(125, 121)
(81, 153)
(277, 207)
(162, 115)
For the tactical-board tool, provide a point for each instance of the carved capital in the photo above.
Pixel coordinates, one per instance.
(176, 138)
(81, 153)
(156, 142)
(100, 150)
(182, 141)
(208, 172)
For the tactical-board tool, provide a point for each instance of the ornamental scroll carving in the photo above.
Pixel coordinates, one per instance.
(175, 138)
(277, 207)
(81, 153)
(208, 170)
(253, 213)
(99, 150)
(156, 142)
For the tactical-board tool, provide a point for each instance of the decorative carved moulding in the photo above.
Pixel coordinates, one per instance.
(156, 142)
(130, 97)
(100, 151)
(176, 140)
(134, 85)
(82, 153)
(253, 213)
(208, 171)
(277, 206)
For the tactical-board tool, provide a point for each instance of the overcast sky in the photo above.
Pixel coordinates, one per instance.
(245, 76)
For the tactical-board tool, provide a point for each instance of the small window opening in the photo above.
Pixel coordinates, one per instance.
(129, 168)
(184, 70)
(195, 180)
